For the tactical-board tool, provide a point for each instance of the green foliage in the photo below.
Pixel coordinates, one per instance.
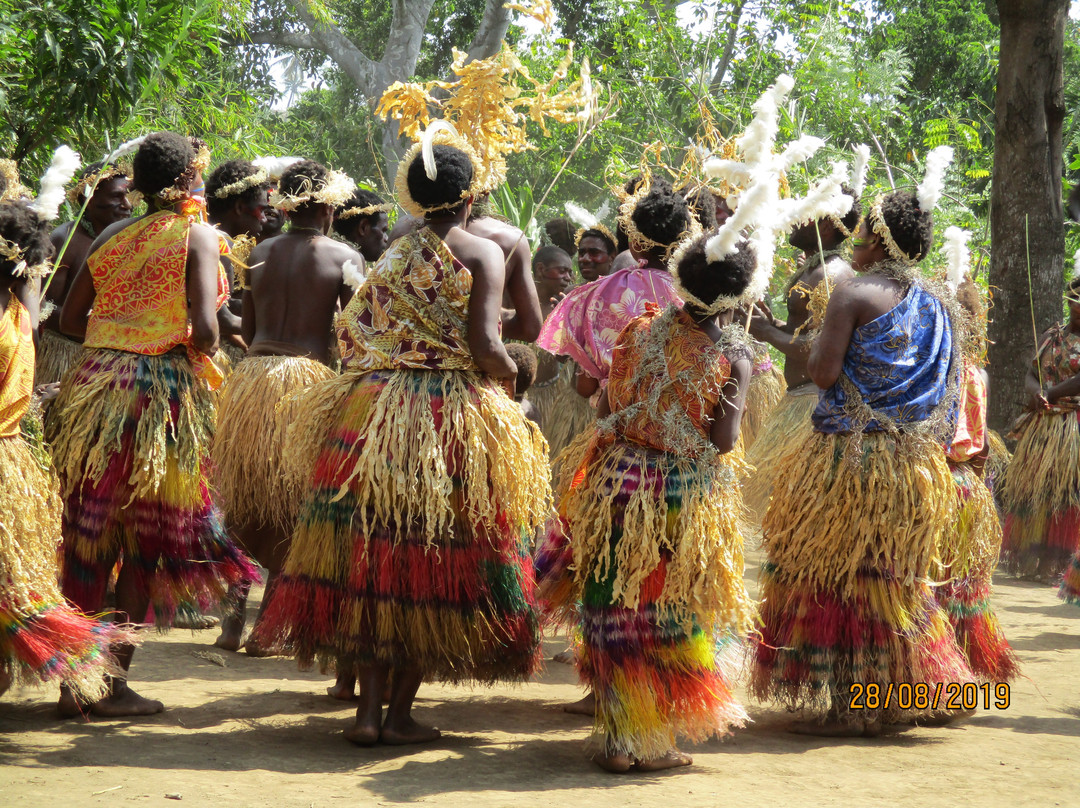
(517, 206)
(92, 73)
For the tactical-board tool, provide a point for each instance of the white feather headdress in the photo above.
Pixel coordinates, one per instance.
(930, 189)
(275, 166)
(53, 189)
(956, 255)
(124, 149)
(858, 171)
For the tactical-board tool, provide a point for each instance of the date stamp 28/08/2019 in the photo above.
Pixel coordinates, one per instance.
(923, 696)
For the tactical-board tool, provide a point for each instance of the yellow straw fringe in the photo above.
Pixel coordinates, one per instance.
(785, 430)
(764, 393)
(504, 458)
(970, 547)
(704, 578)
(829, 516)
(86, 422)
(29, 540)
(55, 356)
(563, 413)
(1000, 456)
(1044, 474)
(256, 408)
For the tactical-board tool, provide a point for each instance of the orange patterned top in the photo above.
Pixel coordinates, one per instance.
(412, 311)
(971, 421)
(16, 367)
(140, 281)
(666, 379)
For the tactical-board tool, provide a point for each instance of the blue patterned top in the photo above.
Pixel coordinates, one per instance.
(900, 362)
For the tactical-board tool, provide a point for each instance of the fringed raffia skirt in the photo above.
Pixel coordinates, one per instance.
(563, 413)
(1070, 581)
(411, 548)
(849, 538)
(784, 431)
(131, 438)
(968, 554)
(56, 354)
(998, 460)
(258, 403)
(652, 546)
(1040, 497)
(763, 394)
(42, 638)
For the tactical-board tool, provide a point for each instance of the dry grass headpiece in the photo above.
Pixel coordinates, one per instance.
(12, 183)
(490, 104)
(260, 176)
(14, 253)
(367, 210)
(928, 194)
(85, 185)
(181, 187)
(335, 191)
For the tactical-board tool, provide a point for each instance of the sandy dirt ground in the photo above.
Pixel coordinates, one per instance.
(257, 732)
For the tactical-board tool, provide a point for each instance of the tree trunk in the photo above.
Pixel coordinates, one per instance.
(1026, 211)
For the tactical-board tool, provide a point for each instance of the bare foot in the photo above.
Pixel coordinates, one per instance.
(833, 729)
(362, 734)
(232, 634)
(342, 692)
(672, 760)
(942, 718)
(407, 731)
(618, 764)
(253, 649)
(196, 621)
(586, 706)
(125, 702)
(565, 657)
(68, 706)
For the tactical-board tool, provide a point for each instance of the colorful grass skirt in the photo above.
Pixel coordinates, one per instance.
(784, 431)
(1040, 497)
(131, 437)
(849, 537)
(647, 553)
(968, 554)
(42, 638)
(411, 549)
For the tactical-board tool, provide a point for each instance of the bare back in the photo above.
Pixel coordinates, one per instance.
(795, 372)
(296, 287)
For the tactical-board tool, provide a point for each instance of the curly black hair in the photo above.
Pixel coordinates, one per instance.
(708, 280)
(850, 220)
(361, 198)
(662, 214)
(912, 228)
(455, 174)
(226, 174)
(702, 205)
(590, 232)
(525, 358)
(160, 161)
(20, 225)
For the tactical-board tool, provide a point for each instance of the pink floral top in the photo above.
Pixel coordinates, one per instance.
(971, 418)
(587, 322)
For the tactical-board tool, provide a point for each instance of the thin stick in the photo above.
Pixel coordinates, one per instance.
(1031, 304)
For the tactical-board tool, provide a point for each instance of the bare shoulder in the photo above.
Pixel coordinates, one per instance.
(506, 235)
(60, 234)
(837, 268)
(473, 250)
(204, 236)
(338, 251)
